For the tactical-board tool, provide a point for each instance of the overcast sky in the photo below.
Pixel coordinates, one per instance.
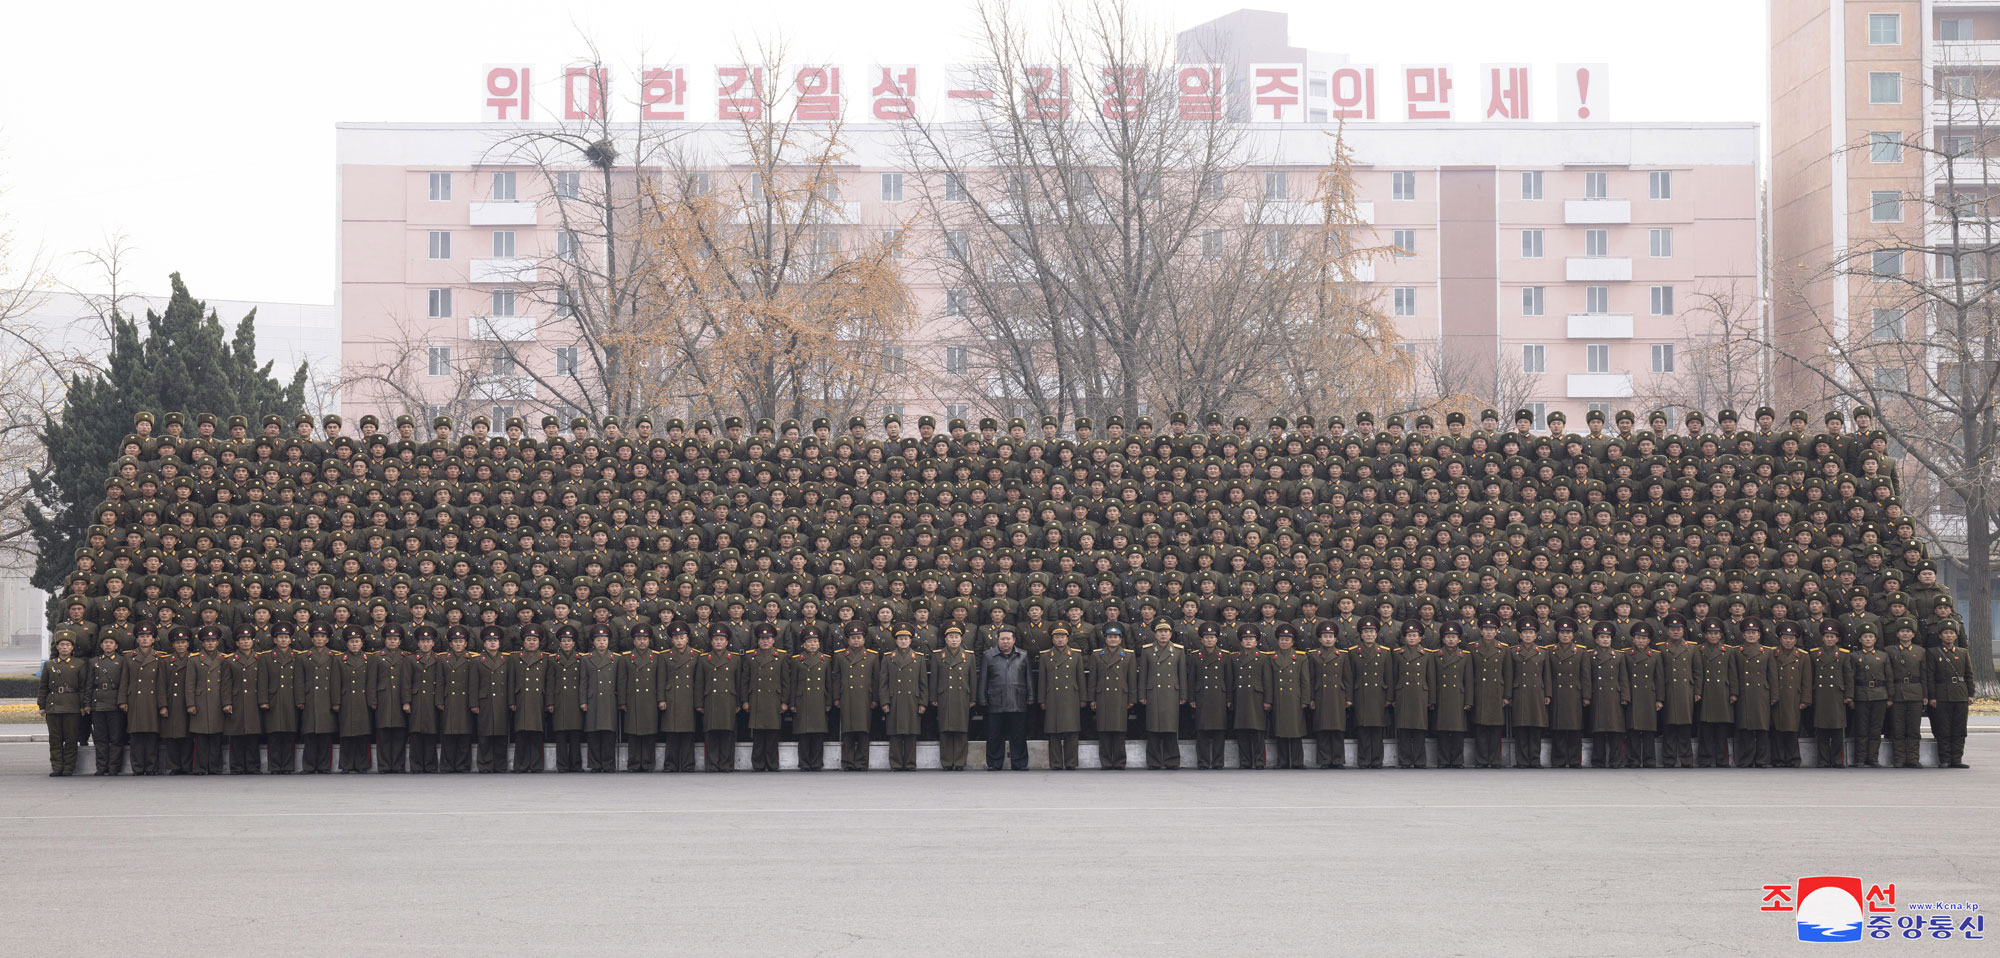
(206, 138)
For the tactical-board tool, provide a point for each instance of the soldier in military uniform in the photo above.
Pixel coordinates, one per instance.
(389, 700)
(680, 699)
(1607, 695)
(1163, 689)
(1530, 697)
(1716, 678)
(457, 723)
(243, 704)
(766, 674)
(1756, 683)
(1950, 696)
(954, 673)
(719, 683)
(1873, 680)
(1791, 691)
(1451, 696)
(1680, 683)
(1414, 685)
(206, 721)
(639, 701)
(1490, 689)
(278, 700)
(1288, 677)
(529, 701)
(1371, 684)
(1110, 682)
(602, 703)
(351, 702)
(491, 702)
(426, 701)
(1909, 689)
(808, 697)
(141, 700)
(1329, 698)
(853, 680)
(107, 676)
(1249, 699)
(566, 701)
(1832, 695)
(1060, 689)
(62, 695)
(1642, 720)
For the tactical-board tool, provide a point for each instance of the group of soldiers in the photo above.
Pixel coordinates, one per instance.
(246, 601)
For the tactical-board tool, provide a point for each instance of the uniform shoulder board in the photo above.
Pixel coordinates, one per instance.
(1175, 644)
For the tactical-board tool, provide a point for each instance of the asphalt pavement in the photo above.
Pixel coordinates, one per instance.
(1389, 862)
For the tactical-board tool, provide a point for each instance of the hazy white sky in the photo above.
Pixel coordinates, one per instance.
(203, 132)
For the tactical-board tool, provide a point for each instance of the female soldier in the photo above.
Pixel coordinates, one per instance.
(62, 695)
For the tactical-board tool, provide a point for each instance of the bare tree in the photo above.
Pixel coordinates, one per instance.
(1456, 380)
(1724, 362)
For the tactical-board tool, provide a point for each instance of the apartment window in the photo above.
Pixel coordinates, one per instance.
(1596, 242)
(1949, 266)
(1886, 263)
(440, 361)
(1663, 300)
(757, 187)
(440, 244)
(1406, 300)
(697, 184)
(504, 364)
(957, 244)
(440, 303)
(1660, 242)
(1598, 407)
(1406, 242)
(1885, 206)
(954, 188)
(1212, 186)
(1595, 185)
(1597, 358)
(566, 244)
(955, 410)
(954, 302)
(503, 244)
(1961, 85)
(957, 360)
(1888, 87)
(565, 360)
(1316, 86)
(1884, 28)
(1887, 324)
(1660, 184)
(503, 186)
(1532, 300)
(433, 410)
(565, 304)
(1894, 379)
(892, 187)
(1541, 411)
(1211, 243)
(1885, 148)
(1402, 186)
(569, 185)
(1274, 185)
(440, 187)
(1531, 244)
(892, 360)
(1534, 358)
(1955, 144)
(1276, 250)
(896, 411)
(1955, 29)
(1663, 357)
(893, 241)
(1531, 185)
(1597, 299)
(503, 302)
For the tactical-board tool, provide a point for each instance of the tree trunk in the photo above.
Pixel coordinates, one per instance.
(1979, 594)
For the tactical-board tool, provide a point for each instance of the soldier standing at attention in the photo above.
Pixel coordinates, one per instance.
(457, 724)
(1756, 682)
(1371, 681)
(854, 681)
(639, 700)
(490, 702)
(1609, 695)
(808, 697)
(62, 695)
(1211, 688)
(680, 699)
(1642, 674)
(602, 702)
(142, 703)
(1415, 682)
(1289, 684)
(1569, 694)
(529, 700)
(1329, 700)
(351, 701)
(1832, 695)
(1452, 696)
(1950, 696)
(243, 703)
(1060, 691)
(1680, 679)
(767, 673)
(107, 721)
(719, 682)
(566, 699)
(1112, 678)
(1249, 699)
(1492, 685)
(954, 672)
(389, 697)
(176, 747)
(902, 686)
(1872, 682)
(1791, 674)
(1163, 689)
(1715, 695)
(426, 702)
(206, 721)
(1529, 713)
(1909, 687)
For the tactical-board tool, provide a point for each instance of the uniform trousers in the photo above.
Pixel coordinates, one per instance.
(1451, 749)
(1163, 750)
(1868, 719)
(1639, 748)
(603, 750)
(1290, 751)
(719, 748)
(764, 749)
(392, 748)
(1208, 748)
(1528, 746)
(1565, 748)
(145, 750)
(1785, 748)
(1368, 746)
(903, 753)
(639, 752)
(1250, 748)
(529, 755)
(1110, 749)
(316, 752)
(1753, 748)
(208, 754)
(65, 730)
(1830, 743)
(1948, 727)
(1677, 746)
(1410, 748)
(569, 750)
(107, 729)
(176, 752)
(1486, 752)
(244, 757)
(1714, 745)
(1062, 750)
(355, 753)
(1006, 738)
(1605, 748)
(952, 749)
(455, 754)
(423, 752)
(1332, 748)
(811, 751)
(1905, 731)
(854, 752)
(493, 753)
(678, 752)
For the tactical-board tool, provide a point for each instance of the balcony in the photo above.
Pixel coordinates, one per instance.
(495, 388)
(1599, 326)
(822, 214)
(1967, 170)
(512, 329)
(1290, 213)
(517, 269)
(1594, 212)
(1597, 269)
(1973, 231)
(1600, 385)
(502, 213)
(1966, 52)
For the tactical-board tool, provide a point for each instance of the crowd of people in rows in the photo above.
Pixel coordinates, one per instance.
(1707, 596)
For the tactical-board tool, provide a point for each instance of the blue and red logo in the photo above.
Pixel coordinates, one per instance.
(1829, 908)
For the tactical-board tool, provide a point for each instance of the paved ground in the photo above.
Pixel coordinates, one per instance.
(1434, 863)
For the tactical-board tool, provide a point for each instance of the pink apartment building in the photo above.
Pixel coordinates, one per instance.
(1562, 257)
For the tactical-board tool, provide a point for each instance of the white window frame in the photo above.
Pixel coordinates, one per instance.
(1597, 300)
(440, 244)
(1660, 242)
(954, 302)
(1402, 186)
(1211, 243)
(1534, 301)
(892, 187)
(1531, 244)
(567, 244)
(1596, 243)
(503, 244)
(1662, 300)
(503, 186)
(1597, 357)
(958, 244)
(1531, 184)
(1596, 185)
(1405, 242)
(1885, 147)
(1404, 299)
(1885, 29)
(1663, 357)
(1960, 29)
(957, 360)
(1876, 96)
(439, 361)
(955, 410)
(1885, 324)
(566, 360)
(1880, 258)
(440, 187)
(569, 184)
(1660, 184)
(439, 302)
(1534, 358)
(505, 301)
(1275, 186)
(1885, 206)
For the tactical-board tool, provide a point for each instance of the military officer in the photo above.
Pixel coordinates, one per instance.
(1452, 695)
(1370, 683)
(680, 698)
(1642, 719)
(1491, 690)
(1288, 676)
(1414, 688)
(1060, 689)
(1110, 681)
(1163, 689)
(278, 700)
(107, 678)
(639, 701)
(207, 723)
(243, 705)
(603, 701)
(1873, 681)
(62, 695)
(1832, 696)
(766, 674)
(1950, 695)
(1756, 684)
(1608, 696)
(141, 701)
(954, 672)
(809, 696)
(853, 681)
(529, 700)
(426, 701)
(491, 701)
(566, 700)
(1528, 712)
(1330, 698)
(1211, 673)
(1716, 680)
(719, 683)
(1791, 694)
(1909, 687)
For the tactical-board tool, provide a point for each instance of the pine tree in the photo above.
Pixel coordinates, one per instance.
(182, 363)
